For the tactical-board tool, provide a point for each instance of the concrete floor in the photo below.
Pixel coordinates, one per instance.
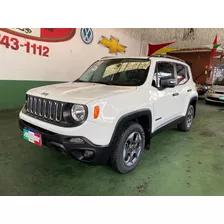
(178, 164)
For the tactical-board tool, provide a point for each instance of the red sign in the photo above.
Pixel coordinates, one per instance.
(43, 34)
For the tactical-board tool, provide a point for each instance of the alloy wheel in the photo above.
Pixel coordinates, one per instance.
(190, 115)
(132, 149)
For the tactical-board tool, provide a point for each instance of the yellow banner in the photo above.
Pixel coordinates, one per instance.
(165, 50)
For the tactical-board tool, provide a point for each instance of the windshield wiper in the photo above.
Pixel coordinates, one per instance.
(104, 83)
(78, 80)
(100, 82)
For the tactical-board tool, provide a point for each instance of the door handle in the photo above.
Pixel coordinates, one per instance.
(189, 90)
(175, 94)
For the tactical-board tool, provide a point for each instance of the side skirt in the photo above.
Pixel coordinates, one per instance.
(167, 126)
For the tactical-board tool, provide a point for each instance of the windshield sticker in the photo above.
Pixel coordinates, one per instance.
(132, 66)
(144, 65)
(111, 70)
(123, 66)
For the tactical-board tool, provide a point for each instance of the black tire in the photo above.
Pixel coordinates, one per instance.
(117, 160)
(185, 125)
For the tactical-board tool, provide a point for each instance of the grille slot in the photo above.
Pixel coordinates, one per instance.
(215, 99)
(44, 109)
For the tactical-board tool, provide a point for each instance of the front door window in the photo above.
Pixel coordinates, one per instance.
(163, 69)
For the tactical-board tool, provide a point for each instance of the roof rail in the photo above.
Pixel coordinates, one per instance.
(107, 57)
(167, 56)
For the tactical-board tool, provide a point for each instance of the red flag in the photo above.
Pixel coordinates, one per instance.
(213, 52)
(152, 48)
(215, 46)
(215, 40)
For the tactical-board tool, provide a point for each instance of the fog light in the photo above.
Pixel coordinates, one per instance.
(76, 140)
(88, 154)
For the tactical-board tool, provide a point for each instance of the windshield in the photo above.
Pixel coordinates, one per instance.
(219, 81)
(123, 72)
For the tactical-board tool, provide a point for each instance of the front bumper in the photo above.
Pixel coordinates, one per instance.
(100, 154)
(214, 98)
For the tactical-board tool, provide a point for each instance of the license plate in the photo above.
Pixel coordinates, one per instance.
(221, 97)
(33, 137)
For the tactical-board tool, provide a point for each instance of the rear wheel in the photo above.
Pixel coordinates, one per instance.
(129, 148)
(186, 124)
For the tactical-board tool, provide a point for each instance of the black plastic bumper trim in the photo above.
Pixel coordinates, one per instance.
(101, 154)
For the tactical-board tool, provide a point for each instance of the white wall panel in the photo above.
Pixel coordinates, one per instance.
(66, 61)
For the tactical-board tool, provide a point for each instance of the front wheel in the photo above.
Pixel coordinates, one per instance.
(186, 124)
(129, 148)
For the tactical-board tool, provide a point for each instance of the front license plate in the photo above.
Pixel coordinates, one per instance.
(221, 97)
(31, 136)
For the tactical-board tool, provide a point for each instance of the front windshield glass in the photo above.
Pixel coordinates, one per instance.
(123, 72)
(219, 81)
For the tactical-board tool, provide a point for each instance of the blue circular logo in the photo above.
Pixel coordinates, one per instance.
(86, 35)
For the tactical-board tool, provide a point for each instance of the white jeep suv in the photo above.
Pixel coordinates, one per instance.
(112, 111)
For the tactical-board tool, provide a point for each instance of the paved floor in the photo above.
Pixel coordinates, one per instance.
(178, 164)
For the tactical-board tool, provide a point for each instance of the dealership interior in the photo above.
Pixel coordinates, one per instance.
(76, 96)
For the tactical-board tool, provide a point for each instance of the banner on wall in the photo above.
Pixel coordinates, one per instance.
(165, 50)
(152, 48)
(34, 34)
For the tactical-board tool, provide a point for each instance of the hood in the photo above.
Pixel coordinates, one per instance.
(218, 88)
(78, 92)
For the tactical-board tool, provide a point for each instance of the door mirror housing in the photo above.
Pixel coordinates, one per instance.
(167, 82)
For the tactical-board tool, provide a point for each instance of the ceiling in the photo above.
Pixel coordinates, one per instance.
(183, 37)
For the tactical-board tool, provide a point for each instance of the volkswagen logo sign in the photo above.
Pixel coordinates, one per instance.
(86, 35)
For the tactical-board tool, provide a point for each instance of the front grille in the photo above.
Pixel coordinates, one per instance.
(215, 99)
(44, 109)
(219, 92)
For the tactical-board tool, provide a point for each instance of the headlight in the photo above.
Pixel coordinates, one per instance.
(78, 112)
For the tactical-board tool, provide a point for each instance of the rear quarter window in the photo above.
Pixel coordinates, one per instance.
(182, 74)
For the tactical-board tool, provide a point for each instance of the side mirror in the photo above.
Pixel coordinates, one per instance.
(167, 82)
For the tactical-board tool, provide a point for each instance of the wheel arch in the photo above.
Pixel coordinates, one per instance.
(194, 101)
(143, 117)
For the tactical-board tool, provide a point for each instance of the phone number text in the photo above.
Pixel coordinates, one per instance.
(30, 48)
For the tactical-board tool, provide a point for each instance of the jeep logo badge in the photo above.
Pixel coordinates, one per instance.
(45, 94)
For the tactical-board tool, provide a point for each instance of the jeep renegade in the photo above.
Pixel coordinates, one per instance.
(110, 113)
